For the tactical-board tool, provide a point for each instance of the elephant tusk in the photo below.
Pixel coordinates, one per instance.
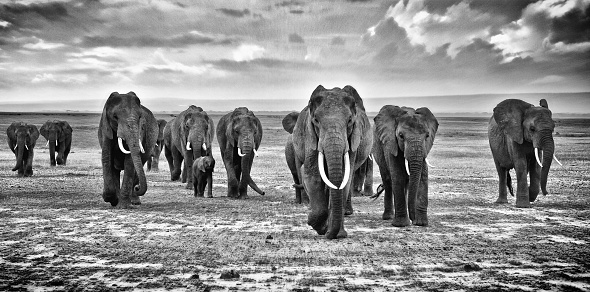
(407, 168)
(554, 157)
(346, 171)
(188, 145)
(141, 147)
(255, 152)
(55, 142)
(240, 152)
(121, 146)
(27, 147)
(157, 145)
(428, 163)
(47, 144)
(537, 157)
(323, 171)
(14, 147)
(371, 156)
(204, 146)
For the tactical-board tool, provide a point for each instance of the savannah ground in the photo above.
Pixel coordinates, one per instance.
(56, 233)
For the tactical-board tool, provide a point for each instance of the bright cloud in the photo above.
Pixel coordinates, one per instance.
(248, 52)
(548, 79)
(62, 79)
(42, 45)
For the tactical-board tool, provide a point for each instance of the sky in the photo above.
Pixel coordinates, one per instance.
(218, 50)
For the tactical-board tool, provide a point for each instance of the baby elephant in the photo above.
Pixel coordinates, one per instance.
(203, 176)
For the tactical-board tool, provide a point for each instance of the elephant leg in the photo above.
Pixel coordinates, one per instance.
(111, 177)
(368, 186)
(230, 168)
(535, 179)
(421, 213)
(522, 189)
(502, 181)
(318, 202)
(187, 172)
(169, 159)
(388, 197)
(67, 151)
(177, 160)
(29, 164)
(243, 184)
(149, 164)
(210, 185)
(399, 189)
(134, 198)
(127, 184)
(358, 181)
(348, 210)
(198, 185)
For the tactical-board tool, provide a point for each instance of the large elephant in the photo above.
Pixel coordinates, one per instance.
(154, 160)
(191, 135)
(289, 122)
(403, 139)
(334, 125)
(127, 134)
(517, 130)
(22, 138)
(239, 134)
(59, 138)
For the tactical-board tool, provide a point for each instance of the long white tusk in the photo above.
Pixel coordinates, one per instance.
(371, 156)
(188, 145)
(557, 160)
(55, 142)
(204, 146)
(346, 171)
(47, 144)
(323, 171)
(255, 152)
(537, 157)
(240, 152)
(27, 147)
(407, 168)
(141, 147)
(121, 146)
(428, 163)
(14, 147)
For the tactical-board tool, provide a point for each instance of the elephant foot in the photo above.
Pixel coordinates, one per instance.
(124, 203)
(387, 215)
(523, 204)
(348, 211)
(533, 196)
(341, 234)
(209, 195)
(318, 223)
(243, 197)
(189, 186)
(401, 222)
(110, 198)
(501, 201)
(135, 200)
(421, 220)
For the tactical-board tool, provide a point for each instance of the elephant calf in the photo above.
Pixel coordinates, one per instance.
(203, 176)
(22, 138)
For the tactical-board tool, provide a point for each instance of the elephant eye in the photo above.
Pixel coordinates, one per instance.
(401, 135)
(532, 128)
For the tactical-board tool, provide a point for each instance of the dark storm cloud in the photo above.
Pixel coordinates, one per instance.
(573, 27)
(295, 38)
(150, 41)
(51, 11)
(234, 12)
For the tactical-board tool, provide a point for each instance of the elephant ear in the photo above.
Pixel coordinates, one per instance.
(311, 137)
(543, 103)
(66, 129)
(357, 111)
(11, 131)
(210, 129)
(258, 135)
(385, 127)
(44, 129)
(509, 115)
(34, 133)
(161, 126)
(105, 126)
(289, 121)
(229, 130)
(431, 123)
(357, 98)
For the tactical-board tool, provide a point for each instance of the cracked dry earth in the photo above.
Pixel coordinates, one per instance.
(56, 234)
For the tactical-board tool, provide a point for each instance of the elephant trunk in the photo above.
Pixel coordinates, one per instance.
(133, 142)
(246, 168)
(196, 145)
(415, 163)
(334, 161)
(548, 147)
(20, 148)
(52, 151)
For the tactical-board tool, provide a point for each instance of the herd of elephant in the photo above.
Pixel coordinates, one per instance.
(330, 152)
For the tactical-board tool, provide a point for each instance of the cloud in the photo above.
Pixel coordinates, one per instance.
(548, 80)
(295, 38)
(52, 11)
(180, 40)
(234, 12)
(76, 79)
(248, 52)
(42, 45)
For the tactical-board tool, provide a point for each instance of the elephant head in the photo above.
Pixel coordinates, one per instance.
(122, 120)
(22, 138)
(409, 133)
(196, 132)
(155, 159)
(522, 123)
(58, 134)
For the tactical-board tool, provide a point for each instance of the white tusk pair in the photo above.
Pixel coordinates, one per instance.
(539, 161)
(188, 145)
(345, 178)
(240, 152)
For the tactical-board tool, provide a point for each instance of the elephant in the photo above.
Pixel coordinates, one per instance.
(191, 135)
(59, 139)
(362, 181)
(203, 176)
(22, 138)
(517, 131)
(333, 125)
(288, 124)
(127, 134)
(403, 138)
(154, 160)
(239, 134)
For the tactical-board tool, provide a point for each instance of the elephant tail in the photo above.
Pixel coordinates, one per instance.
(380, 190)
(509, 183)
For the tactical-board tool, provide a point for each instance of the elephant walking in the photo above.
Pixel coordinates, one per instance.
(403, 139)
(127, 134)
(289, 122)
(332, 138)
(517, 131)
(239, 134)
(154, 160)
(190, 136)
(22, 138)
(59, 139)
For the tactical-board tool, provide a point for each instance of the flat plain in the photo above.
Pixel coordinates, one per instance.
(57, 234)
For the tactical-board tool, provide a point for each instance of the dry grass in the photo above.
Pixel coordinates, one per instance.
(56, 233)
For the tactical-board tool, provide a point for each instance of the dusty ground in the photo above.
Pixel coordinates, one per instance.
(57, 234)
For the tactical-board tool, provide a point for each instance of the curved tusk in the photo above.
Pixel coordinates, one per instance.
(255, 152)
(371, 156)
(428, 163)
(537, 157)
(47, 144)
(204, 146)
(240, 152)
(121, 146)
(407, 168)
(323, 171)
(141, 147)
(346, 171)
(557, 160)
(188, 145)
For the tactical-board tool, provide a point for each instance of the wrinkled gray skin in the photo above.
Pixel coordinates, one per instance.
(289, 122)
(59, 138)
(404, 134)
(239, 130)
(514, 131)
(334, 123)
(203, 168)
(22, 138)
(154, 160)
(124, 117)
(192, 128)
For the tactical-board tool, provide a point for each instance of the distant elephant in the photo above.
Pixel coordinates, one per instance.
(516, 131)
(153, 161)
(334, 125)
(362, 181)
(239, 134)
(127, 134)
(403, 139)
(167, 144)
(203, 168)
(289, 122)
(191, 135)
(22, 138)
(59, 139)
